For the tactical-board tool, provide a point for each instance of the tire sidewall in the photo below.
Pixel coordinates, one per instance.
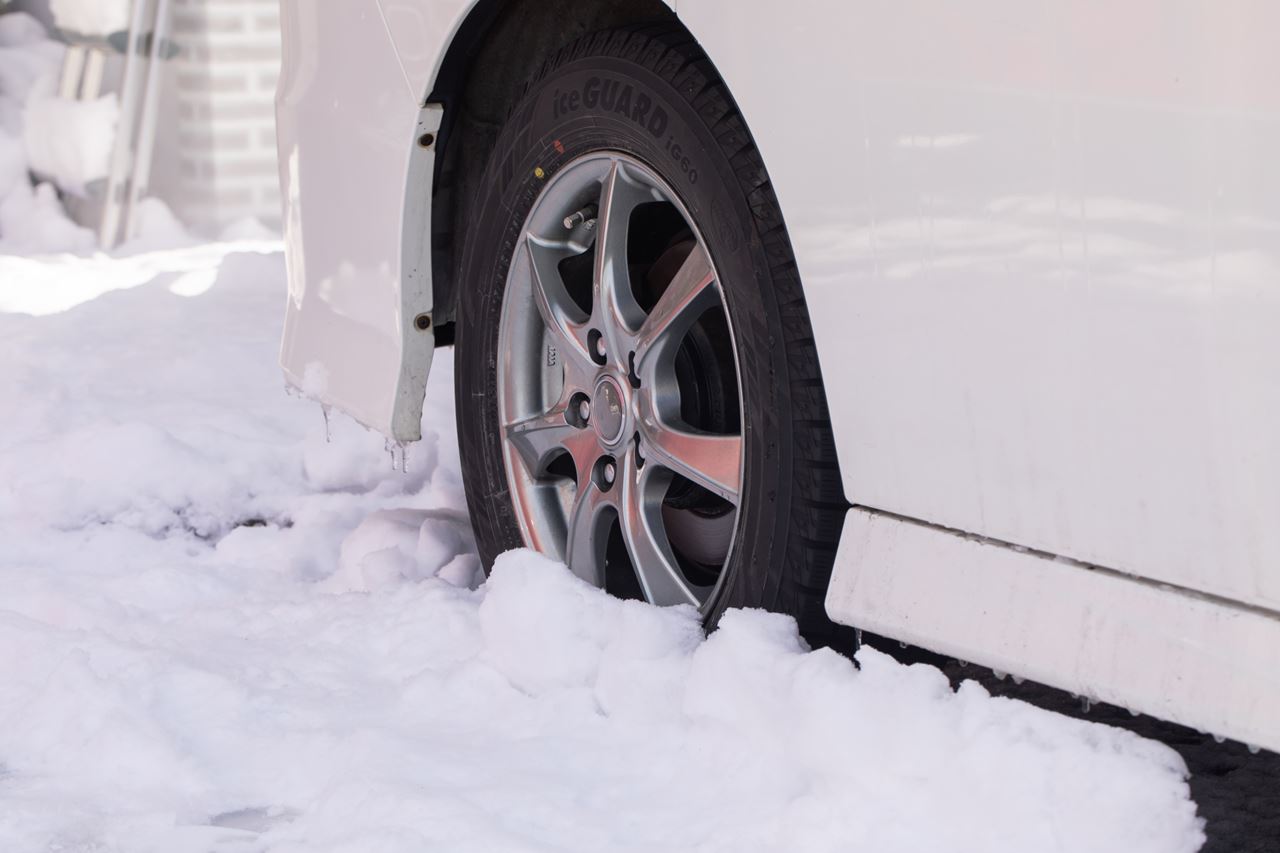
(604, 103)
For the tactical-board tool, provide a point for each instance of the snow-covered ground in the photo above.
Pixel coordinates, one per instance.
(219, 632)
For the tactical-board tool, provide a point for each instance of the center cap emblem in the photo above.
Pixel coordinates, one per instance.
(607, 411)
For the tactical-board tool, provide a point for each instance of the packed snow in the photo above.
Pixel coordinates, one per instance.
(91, 17)
(69, 141)
(65, 145)
(220, 631)
(31, 216)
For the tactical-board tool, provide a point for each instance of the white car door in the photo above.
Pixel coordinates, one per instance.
(1042, 260)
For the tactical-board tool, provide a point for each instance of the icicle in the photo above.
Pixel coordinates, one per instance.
(1017, 680)
(400, 464)
(1000, 676)
(1085, 704)
(1219, 739)
(1253, 748)
(328, 433)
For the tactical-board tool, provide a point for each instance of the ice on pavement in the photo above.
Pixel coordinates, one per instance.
(219, 632)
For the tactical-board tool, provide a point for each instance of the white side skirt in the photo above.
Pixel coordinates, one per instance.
(1176, 655)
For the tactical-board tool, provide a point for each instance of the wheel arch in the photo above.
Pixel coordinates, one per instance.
(494, 51)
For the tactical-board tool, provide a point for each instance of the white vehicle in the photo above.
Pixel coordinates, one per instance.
(955, 322)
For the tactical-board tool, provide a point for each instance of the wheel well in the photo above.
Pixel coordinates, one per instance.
(498, 47)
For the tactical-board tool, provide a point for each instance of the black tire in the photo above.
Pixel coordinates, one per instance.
(792, 504)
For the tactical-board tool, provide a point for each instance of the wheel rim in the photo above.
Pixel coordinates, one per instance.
(618, 386)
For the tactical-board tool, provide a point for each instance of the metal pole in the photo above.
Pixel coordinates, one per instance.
(141, 177)
(122, 150)
(72, 71)
(95, 65)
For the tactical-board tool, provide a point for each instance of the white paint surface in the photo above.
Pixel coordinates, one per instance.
(1040, 244)
(347, 134)
(1142, 646)
(421, 31)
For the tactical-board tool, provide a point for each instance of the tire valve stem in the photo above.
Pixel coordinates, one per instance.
(586, 216)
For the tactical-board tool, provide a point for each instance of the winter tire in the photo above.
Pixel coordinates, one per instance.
(638, 390)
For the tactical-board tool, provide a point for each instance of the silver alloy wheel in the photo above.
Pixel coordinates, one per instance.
(592, 391)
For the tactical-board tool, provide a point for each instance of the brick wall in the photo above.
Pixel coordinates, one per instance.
(222, 89)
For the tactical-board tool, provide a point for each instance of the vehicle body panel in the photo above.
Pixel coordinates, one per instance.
(1041, 251)
(1040, 246)
(421, 31)
(1104, 636)
(351, 173)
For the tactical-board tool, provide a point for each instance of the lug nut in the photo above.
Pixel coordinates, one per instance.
(584, 410)
(609, 472)
(600, 350)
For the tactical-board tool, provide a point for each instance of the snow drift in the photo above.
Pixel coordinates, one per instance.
(31, 217)
(219, 632)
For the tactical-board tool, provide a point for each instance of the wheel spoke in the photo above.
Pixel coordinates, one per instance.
(588, 533)
(558, 311)
(689, 294)
(538, 438)
(599, 384)
(645, 536)
(615, 310)
(585, 450)
(712, 461)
